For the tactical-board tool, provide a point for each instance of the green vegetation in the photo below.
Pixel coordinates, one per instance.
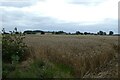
(65, 33)
(38, 69)
(13, 48)
(15, 52)
(56, 56)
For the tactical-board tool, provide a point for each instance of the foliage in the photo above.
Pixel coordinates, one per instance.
(77, 32)
(63, 57)
(39, 69)
(111, 33)
(6, 69)
(60, 32)
(13, 48)
(33, 32)
(101, 33)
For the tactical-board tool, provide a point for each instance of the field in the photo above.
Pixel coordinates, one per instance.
(70, 56)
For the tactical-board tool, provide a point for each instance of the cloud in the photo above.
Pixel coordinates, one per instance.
(86, 2)
(60, 15)
(24, 21)
(15, 4)
(18, 3)
(64, 11)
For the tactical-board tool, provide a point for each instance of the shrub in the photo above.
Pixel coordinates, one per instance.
(6, 69)
(111, 33)
(13, 47)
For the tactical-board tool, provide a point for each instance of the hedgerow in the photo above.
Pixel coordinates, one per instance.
(13, 48)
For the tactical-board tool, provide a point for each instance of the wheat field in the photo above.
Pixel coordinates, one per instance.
(88, 56)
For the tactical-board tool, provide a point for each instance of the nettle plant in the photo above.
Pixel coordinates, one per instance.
(14, 49)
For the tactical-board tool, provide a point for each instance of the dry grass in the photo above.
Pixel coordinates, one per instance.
(84, 54)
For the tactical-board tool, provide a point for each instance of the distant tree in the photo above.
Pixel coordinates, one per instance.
(104, 33)
(111, 33)
(77, 32)
(59, 32)
(100, 33)
(81, 33)
(53, 32)
(15, 29)
(85, 33)
(37, 31)
(91, 33)
(28, 32)
(69, 33)
(42, 32)
(3, 30)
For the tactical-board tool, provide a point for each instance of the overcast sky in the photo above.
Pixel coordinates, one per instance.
(54, 15)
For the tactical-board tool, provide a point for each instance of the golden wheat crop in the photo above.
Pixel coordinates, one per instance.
(83, 53)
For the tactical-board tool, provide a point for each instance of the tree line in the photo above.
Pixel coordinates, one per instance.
(57, 32)
(98, 33)
(62, 32)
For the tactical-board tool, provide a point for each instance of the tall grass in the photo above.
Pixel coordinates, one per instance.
(83, 54)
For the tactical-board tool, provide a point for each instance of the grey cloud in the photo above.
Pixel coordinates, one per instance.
(85, 2)
(19, 4)
(15, 4)
(23, 21)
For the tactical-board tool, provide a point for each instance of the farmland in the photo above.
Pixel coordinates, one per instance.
(69, 56)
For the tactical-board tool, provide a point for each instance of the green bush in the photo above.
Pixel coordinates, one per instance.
(7, 69)
(13, 47)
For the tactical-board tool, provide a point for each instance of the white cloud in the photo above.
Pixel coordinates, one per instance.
(66, 12)
(62, 10)
(59, 12)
